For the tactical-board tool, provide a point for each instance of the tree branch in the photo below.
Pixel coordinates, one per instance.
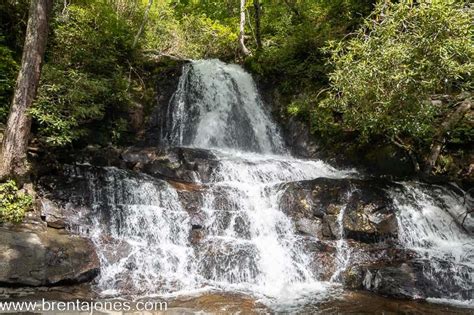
(439, 139)
(399, 143)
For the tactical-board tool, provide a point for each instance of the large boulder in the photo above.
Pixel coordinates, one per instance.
(45, 258)
(331, 208)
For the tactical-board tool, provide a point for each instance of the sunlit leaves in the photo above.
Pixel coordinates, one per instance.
(385, 74)
(13, 203)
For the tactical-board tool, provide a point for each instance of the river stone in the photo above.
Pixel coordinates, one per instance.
(188, 165)
(398, 281)
(45, 258)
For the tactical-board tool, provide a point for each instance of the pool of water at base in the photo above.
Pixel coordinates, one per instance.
(344, 302)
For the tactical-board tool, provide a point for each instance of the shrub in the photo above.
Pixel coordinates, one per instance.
(8, 70)
(385, 74)
(13, 204)
(83, 92)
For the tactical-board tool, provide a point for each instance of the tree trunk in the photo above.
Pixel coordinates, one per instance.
(439, 139)
(258, 33)
(244, 49)
(142, 26)
(397, 141)
(13, 161)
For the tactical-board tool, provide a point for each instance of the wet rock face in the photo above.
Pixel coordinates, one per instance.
(406, 277)
(165, 86)
(369, 215)
(179, 164)
(300, 140)
(45, 258)
(189, 165)
(316, 205)
(51, 213)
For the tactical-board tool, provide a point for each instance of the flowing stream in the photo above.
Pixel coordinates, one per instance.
(142, 231)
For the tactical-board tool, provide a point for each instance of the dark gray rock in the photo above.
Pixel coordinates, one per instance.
(51, 213)
(310, 227)
(166, 81)
(180, 164)
(45, 258)
(408, 277)
(300, 140)
(396, 281)
(368, 211)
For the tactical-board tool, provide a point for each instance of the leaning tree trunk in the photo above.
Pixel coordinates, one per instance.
(439, 139)
(13, 162)
(244, 49)
(142, 25)
(258, 32)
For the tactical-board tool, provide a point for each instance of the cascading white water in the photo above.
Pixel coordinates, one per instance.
(250, 245)
(343, 251)
(142, 233)
(217, 105)
(427, 226)
(268, 257)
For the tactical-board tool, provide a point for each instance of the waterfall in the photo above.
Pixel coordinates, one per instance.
(217, 105)
(249, 243)
(140, 229)
(343, 251)
(268, 256)
(427, 225)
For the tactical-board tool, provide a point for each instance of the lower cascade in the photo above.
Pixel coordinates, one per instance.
(237, 230)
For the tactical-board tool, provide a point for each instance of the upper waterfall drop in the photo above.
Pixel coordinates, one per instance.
(217, 105)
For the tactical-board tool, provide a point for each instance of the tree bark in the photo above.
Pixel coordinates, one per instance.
(142, 25)
(409, 151)
(13, 161)
(439, 139)
(244, 49)
(258, 33)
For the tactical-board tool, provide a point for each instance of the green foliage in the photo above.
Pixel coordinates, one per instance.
(293, 34)
(207, 38)
(192, 29)
(85, 76)
(13, 19)
(8, 71)
(92, 38)
(92, 72)
(384, 75)
(377, 83)
(60, 111)
(13, 203)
